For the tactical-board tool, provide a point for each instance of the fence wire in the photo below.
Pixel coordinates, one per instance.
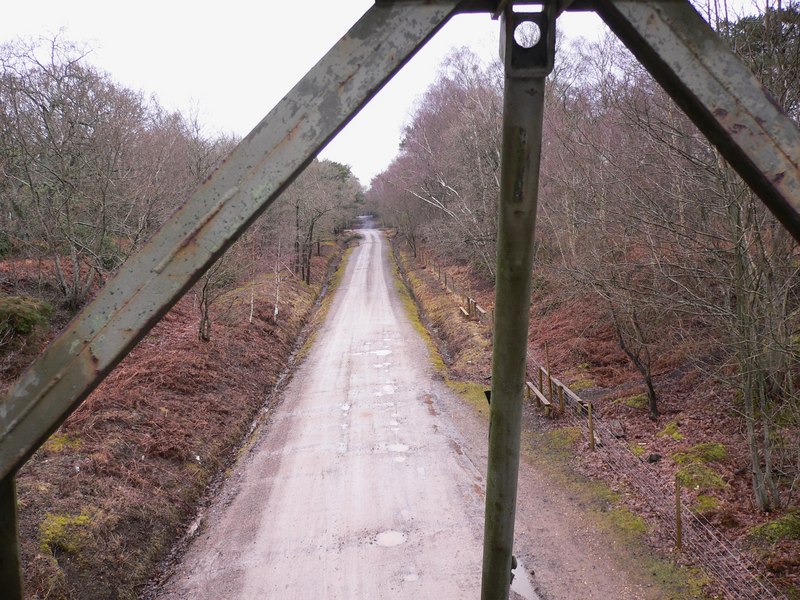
(702, 544)
(734, 574)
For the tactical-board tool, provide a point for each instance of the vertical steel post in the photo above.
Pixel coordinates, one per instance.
(10, 572)
(527, 63)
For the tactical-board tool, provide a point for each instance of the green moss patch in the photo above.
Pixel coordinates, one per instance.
(701, 453)
(552, 451)
(671, 430)
(627, 523)
(786, 527)
(473, 393)
(59, 443)
(636, 449)
(637, 401)
(560, 442)
(22, 314)
(698, 476)
(412, 310)
(582, 384)
(63, 533)
(704, 503)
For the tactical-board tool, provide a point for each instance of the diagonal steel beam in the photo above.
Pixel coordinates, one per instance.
(719, 93)
(249, 180)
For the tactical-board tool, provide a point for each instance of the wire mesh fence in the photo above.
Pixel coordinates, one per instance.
(735, 575)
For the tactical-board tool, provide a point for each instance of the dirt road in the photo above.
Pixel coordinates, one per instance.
(368, 480)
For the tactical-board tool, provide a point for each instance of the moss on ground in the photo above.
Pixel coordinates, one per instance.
(786, 527)
(22, 314)
(582, 384)
(472, 393)
(636, 401)
(553, 452)
(702, 453)
(60, 442)
(671, 430)
(705, 503)
(700, 477)
(63, 533)
(412, 310)
(636, 449)
(630, 525)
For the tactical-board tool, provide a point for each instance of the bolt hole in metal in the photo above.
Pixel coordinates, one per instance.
(527, 34)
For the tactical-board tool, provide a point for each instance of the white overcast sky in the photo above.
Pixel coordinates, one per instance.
(233, 60)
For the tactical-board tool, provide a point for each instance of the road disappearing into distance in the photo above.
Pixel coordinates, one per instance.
(358, 487)
(367, 481)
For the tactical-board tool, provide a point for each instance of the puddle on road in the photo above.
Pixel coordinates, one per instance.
(400, 459)
(390, 538)
(522, 583)
(397, 448)
(393, 423)
(381, 352)
(384, 365)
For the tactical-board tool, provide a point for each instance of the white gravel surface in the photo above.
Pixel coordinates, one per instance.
(367, 482)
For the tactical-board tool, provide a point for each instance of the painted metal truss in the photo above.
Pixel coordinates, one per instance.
(668, 36)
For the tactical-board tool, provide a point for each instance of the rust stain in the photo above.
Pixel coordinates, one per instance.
(778, 177)
(201, 226)
(349, 78)
(720, 113)
(738, 128)
(284, 140)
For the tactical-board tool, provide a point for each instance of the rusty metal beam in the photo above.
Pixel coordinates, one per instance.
(249, 180)
(719, 93)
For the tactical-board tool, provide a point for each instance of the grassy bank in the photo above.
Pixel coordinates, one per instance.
(103, 501)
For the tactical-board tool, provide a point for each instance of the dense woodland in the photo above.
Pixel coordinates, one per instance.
(90, 169)
(636, 210)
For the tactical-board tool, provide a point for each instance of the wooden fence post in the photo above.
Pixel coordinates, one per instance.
(561, 399)
(549, 377)
(591, 428)
(678, 519)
